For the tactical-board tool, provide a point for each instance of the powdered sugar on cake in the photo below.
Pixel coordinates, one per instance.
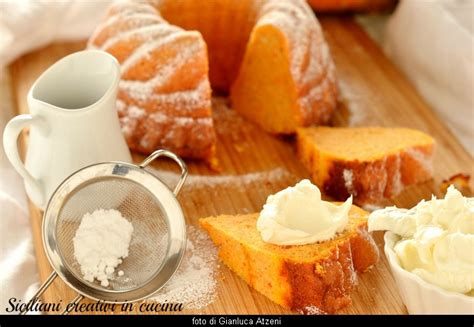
(305, 38)
(310, 61)
(147, 33)
(421, 158)
(348, 176)
(154, 110)
(141, 91)
(186, 100)
(397, 183)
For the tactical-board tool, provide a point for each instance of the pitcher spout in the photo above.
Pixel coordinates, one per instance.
(78, 82)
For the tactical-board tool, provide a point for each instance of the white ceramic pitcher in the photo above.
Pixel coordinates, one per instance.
(73, 122)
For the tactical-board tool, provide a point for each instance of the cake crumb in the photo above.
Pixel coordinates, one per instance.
(460, 181)
(312, 310)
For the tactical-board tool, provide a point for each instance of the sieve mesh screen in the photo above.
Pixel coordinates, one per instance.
(150, 231)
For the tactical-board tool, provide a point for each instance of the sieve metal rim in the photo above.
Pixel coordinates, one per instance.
(174, 219)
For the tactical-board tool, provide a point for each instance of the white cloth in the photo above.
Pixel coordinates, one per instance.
(18, 276)
(433, 43)
(29, 24)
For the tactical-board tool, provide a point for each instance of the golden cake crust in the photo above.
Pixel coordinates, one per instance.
(350, 5)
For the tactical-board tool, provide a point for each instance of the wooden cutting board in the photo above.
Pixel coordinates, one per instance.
(255, 164)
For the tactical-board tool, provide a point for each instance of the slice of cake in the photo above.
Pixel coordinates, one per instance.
(312, 277)
(369, 163)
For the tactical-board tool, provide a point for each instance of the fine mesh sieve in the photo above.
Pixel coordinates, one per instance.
(159, 233)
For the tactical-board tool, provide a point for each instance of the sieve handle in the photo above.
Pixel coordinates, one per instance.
(41, 290)
(44, 287)
(76, 301)
(171, 155)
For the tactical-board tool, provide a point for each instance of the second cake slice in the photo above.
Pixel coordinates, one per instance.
(369, 163)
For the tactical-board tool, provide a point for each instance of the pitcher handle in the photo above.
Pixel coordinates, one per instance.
(10, 137)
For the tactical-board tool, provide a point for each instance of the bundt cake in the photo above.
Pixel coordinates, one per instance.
(369, 163)
(351, 5)
(310, 278)
(269, 54)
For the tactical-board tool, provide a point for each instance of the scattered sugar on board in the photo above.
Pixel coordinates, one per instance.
(355, 99)
(195, 282)
(100, 244)
(228, 122)
(239, 182)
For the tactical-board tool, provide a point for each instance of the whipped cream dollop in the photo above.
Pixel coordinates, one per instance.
(297, 216)
(437, 239)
